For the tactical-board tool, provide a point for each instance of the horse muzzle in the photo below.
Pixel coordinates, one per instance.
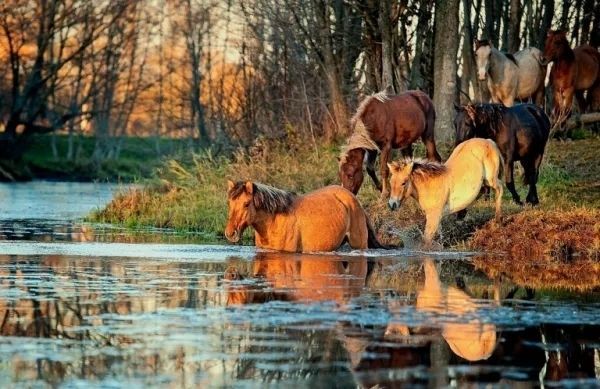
(233, 236)
(394, 204)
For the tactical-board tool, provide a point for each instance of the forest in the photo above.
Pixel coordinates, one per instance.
(224, 73)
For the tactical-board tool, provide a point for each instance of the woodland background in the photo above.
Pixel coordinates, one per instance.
(226, 72)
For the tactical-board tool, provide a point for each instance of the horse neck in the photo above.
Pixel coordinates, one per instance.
(497, 63)
(486, 124)
(567, 55)
(419, 186)
(264, 222)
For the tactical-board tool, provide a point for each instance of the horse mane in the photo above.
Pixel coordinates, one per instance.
(511, 57)
(489, 115)
(382, 97)
(422, 168)
(360, 137)
(266, 198)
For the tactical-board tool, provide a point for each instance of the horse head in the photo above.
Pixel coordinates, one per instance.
(555, 46)
(464, 122)
(351, 169)
(400, 182)
(483, 49)
(242, 211)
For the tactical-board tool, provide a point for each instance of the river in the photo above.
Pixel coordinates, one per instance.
(91, 305)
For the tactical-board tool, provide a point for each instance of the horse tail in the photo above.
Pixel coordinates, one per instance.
(372, 241)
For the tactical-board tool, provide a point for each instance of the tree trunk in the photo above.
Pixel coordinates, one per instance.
(444, 66)
(514, 34)
(387, 52)
(546, 23)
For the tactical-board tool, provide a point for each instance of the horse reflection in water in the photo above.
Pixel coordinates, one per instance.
(418, 348)
(294, 277)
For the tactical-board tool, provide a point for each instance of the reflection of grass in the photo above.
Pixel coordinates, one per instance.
(190, 194)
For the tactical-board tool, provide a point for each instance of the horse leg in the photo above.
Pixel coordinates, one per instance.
(371, 157)
(358, 230)
(432, 153)
(581, 103)
(492, 170)
(532, 170)
(432, 224)
(385, 155)
(510, 184)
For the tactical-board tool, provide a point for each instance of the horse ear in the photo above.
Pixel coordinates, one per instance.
(230, 185)
(249, 187)
(392, 167)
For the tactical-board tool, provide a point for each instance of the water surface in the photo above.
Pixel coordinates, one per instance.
(84, 305)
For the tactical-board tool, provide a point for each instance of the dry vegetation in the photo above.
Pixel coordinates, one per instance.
(190, 195)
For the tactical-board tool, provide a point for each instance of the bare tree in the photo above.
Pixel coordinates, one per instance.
(444, 66)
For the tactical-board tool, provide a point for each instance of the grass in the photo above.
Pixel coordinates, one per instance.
(138, 159)
(189, 194)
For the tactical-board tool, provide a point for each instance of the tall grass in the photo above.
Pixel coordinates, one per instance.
(190, 194)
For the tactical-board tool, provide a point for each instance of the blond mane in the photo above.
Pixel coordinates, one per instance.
(422, 168)
(360, 137)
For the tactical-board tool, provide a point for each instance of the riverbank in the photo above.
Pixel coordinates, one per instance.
(190, 195)
(47, 157)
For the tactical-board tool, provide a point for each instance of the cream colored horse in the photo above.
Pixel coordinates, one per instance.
(451, 187)
(510, 77)
(471, 339)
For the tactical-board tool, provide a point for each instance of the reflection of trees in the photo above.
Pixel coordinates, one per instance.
(66, 299)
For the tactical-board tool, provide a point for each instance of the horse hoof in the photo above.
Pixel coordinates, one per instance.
(518, 202)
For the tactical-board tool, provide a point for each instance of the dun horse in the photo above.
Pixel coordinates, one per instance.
(521, 133)
(318, 221)
(509, 77)
(384, 122)
(573, 72)
(450, 187)
(298, 278)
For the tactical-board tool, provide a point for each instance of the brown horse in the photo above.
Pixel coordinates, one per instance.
(297, 277)
(318, 221)
(573, 72)
(384, 122)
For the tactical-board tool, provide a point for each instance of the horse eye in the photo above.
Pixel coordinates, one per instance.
(246, 204)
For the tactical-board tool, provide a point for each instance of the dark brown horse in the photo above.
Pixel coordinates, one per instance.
(521, 133)
(384, 122)
(573, 72)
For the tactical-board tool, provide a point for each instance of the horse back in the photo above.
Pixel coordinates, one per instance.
(400, 119)
(529, 125)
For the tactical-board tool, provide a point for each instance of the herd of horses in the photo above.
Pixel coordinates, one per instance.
(490, 138)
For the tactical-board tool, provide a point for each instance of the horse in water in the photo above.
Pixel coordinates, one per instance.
(511, 77)
(573, 72)
(450, 187)
(318, 221)
(384, 122)
(521, 133)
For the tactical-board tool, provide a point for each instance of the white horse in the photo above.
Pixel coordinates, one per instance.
(510, 78)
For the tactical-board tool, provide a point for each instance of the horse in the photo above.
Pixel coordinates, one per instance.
(294, 277)
(450, 187)
(573, 72)
(511, 77)
(381, 123)
(317, 221)
(521, 133)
